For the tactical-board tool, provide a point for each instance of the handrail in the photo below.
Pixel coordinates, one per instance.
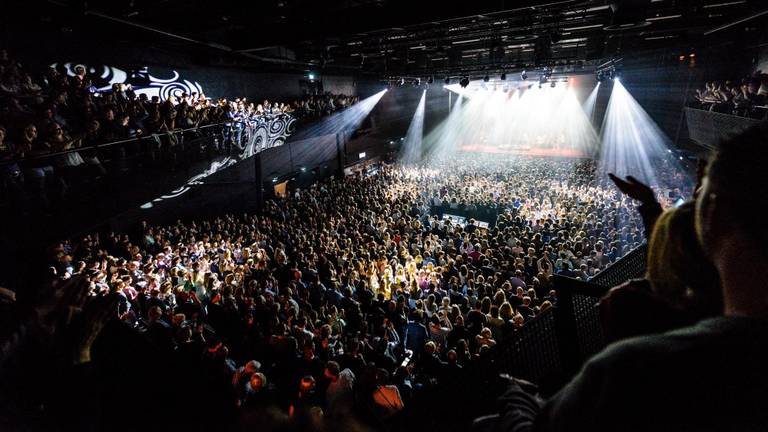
(123, 141)
(728, 114)
(104, 145)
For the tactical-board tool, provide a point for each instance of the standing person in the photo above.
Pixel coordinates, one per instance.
(339, 396)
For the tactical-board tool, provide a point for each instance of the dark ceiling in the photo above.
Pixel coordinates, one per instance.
(411, 38)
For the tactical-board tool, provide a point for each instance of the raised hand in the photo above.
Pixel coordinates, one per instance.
(95, 315)
(63, 305)
(73, 317)
(634, 188)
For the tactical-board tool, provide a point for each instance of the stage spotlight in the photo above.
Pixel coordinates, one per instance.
(311, 76)
(464, 82)
(524, 76)
(447, 80)
(486, 78)
(503, 77)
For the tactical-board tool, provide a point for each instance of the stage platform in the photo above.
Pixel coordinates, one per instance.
(525, 151)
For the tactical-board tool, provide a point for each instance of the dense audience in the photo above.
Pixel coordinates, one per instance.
(313, 106)
(349, 297)
(747, 97)
(74, 104)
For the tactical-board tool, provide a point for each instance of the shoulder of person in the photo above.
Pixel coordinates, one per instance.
(645, 351)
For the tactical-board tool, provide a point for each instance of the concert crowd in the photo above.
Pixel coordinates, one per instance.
(351, 296)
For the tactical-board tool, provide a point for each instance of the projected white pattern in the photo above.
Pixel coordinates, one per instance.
(141, 81)
(262, 135)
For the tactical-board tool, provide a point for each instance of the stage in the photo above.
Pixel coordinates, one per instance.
(525, 151)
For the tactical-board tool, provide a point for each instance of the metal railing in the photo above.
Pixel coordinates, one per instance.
(49, 178)
(267, 120)
(109, 144)
(709, 128)
(552, 347)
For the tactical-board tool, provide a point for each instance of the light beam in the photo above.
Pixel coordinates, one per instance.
(411, 150)
(632, 143)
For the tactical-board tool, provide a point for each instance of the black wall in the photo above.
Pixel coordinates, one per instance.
(219, 76)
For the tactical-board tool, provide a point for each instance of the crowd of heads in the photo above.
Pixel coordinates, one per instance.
(747, 97)
(354, 295)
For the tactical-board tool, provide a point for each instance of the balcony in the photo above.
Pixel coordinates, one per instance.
(709, 128)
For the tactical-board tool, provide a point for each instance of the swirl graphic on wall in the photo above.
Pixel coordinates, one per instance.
(141, 80)
(261, 135)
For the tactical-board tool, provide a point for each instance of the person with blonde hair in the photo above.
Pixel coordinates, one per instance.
(681, 286)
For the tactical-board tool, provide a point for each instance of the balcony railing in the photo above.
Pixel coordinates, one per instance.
(45, 181)
(709, 128)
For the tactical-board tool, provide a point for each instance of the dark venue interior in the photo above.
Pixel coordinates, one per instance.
(381, 215)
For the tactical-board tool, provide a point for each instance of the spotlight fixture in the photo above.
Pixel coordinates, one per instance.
(486, 78)
(464, 82)
(524, 75)
(447, 80)
(503, 76)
